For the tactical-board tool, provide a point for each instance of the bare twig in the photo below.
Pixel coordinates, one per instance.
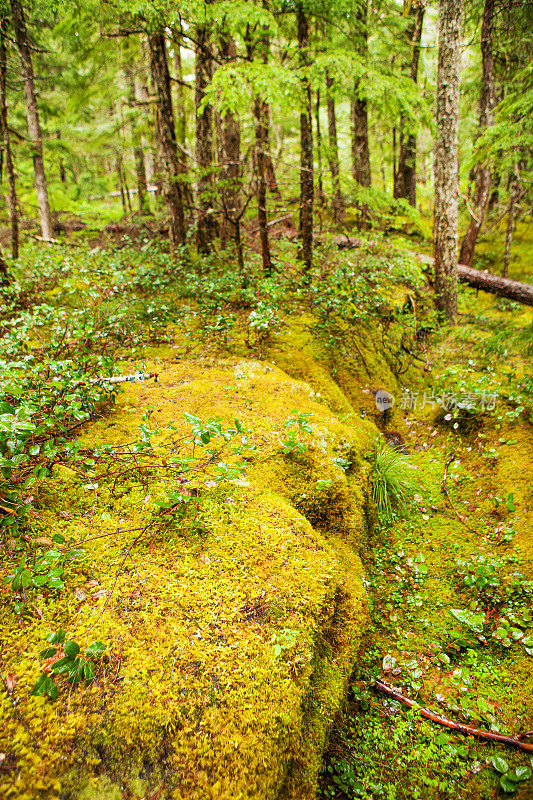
(444, 490)
(511, 741)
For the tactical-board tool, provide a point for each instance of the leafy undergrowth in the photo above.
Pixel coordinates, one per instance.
(451, 587)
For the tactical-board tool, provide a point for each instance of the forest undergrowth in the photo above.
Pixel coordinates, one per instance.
(449, 576)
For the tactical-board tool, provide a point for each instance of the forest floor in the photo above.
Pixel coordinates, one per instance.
(449, 587)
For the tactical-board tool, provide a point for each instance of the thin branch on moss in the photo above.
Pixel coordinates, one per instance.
(511, 741)
(445, 491)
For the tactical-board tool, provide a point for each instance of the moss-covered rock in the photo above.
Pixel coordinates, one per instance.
(231, 627)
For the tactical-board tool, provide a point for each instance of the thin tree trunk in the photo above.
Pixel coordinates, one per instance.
(486, 119)
(320, 186)
(13, 201)
(206, 228)
(445, 213)
(359, 112)
(333, 152)
(143, 99)
(270, 172)
(62, 173)
(514, 195)
(181, 114)
(406, 173)
(166, 135)
(32, 114)
(231, 151)
(118, 167)
(306, 145)
(138, 152)
(261, 124)
(260, 157)
(360, 149)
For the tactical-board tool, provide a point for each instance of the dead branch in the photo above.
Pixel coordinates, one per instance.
(136, 376)
(511, 741)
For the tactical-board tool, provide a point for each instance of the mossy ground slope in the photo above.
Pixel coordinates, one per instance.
(233, 625)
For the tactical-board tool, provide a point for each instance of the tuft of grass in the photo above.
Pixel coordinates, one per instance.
(393, 484)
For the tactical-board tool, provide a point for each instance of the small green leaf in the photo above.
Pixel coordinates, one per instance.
(48, 652)
(56, 638)
(95, 650)
(520, 774)
(507, 785)
(26, 578)
(500, 764)
(62, 665)
(71, 649)
(59, 538)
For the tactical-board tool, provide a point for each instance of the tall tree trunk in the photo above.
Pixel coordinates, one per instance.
(181, 114)
(445, 213)
(270, 172)
(120, 183)
(261, 126)
(166, 136)
(359, 112)
(333, 152)
(142, 98)
(206, 228)
(514, 196)
(486, 119)
(231, 151)
(306, 145)
(320, 186)
(406, 172)
(32, 115)
(138, 152)
(62, 173)
(360, 149)
(13, 201)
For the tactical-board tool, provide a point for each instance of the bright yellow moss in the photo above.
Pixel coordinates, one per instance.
(231, 631)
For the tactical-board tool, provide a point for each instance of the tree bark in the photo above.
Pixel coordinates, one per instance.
(514, 195)
(405, 184)
(13, 201)
(486, 119)
(306, 145)
(333, 152)
(166, 135)
(32, 115)
(358, 111)
(445, 213)
(320, 186)
(206, 228)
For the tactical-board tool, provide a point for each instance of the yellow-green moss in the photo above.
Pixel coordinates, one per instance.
(230, 640)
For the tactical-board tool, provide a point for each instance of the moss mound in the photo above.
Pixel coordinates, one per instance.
(234, 622)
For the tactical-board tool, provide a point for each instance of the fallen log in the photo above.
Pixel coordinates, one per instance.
(510, 741)
(495, 284)
(489, 282)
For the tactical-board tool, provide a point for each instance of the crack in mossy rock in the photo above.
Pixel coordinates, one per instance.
(231, 632)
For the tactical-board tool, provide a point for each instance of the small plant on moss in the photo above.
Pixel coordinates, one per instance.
(393, 484)
(71, 663)
(292, 444)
